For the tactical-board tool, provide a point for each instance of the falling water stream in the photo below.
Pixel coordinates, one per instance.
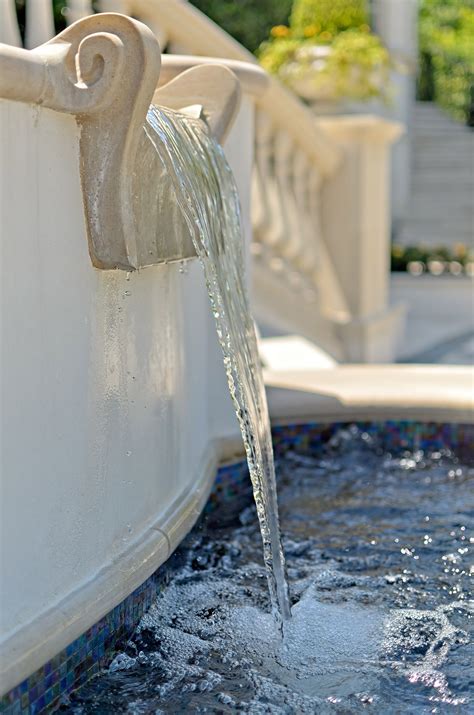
(207, 195)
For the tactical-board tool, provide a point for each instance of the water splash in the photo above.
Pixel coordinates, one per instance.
(207, 195)
(374, 629)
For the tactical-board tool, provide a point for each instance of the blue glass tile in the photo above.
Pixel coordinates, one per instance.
(38, 705)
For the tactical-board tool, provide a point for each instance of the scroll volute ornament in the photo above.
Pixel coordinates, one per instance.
(104, 69)
(111, 68)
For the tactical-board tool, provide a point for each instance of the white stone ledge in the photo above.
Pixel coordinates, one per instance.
(372, 392)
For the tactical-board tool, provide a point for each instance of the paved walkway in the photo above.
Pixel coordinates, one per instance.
(441, 211)
(440, 318)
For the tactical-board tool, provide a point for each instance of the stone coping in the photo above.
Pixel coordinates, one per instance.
(253, 79)
(375, 392)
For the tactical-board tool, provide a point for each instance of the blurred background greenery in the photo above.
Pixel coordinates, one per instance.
(249, 21)
(328, 52)
(447, 55)
(446, 73)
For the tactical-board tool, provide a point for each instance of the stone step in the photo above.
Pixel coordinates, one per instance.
(441, 208)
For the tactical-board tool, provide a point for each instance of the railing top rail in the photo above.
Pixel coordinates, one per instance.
(253, 79)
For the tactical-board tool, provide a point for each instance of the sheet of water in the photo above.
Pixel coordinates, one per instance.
(378, 550)
(207, 195)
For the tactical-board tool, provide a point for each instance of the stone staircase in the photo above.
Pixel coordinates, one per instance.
(441, 211)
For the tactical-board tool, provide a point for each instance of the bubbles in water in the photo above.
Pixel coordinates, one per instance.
(371, 629)
(122, 661)
(422, 640)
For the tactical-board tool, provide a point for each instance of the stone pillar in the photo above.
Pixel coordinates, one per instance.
(396, 22)
(356, 231)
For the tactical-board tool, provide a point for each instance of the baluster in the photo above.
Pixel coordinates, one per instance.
(9, 30)
(332, 297)
(307, 259)
(314, 202)
(272, 231)
(261, 213)
(281, 229)
(292, 243)
(39, 22)
(76, 9)
(121, 6)
(145, 13)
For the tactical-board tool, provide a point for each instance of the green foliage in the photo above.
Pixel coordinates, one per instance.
(447, 54)
(311, 17)
(357, 66)
(360, 64)
(248, 21)
(456, 260)
(275, 54)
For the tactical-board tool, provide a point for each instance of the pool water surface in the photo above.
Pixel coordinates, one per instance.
(378, 548)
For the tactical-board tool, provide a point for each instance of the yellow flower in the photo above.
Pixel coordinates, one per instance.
(280, 31)
(325, 36)
(460, 249)
(311, 30)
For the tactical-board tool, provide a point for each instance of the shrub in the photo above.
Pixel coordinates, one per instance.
(248, 21)
(356, 68)
(357, 65)
(447, 54)
(327, 16)
(457, 260)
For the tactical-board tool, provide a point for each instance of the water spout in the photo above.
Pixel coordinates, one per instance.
(208, 199)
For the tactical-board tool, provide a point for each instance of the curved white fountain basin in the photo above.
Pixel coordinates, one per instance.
(115, 404)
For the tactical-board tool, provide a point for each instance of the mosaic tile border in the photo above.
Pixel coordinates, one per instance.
(231, 493)
(393, 436)
(82, 658)
(85, 656)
